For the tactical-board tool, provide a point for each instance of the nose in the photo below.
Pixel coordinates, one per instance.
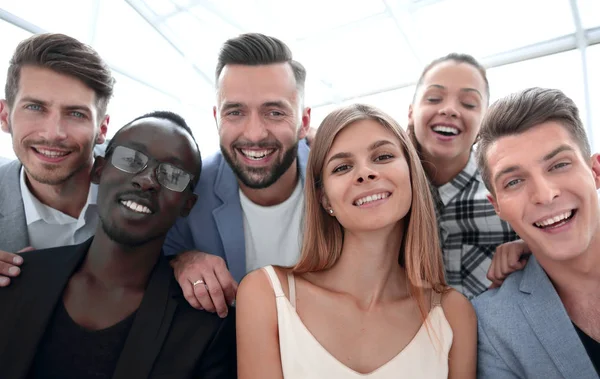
(543, 191)
(449, 109)
(255, 129)
(146, 180)
(54, 128)
(366, 173)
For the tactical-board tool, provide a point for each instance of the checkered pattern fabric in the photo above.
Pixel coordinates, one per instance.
(470, 230)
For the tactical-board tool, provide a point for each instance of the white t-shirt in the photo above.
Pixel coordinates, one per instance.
(48, 227)
(273, 234)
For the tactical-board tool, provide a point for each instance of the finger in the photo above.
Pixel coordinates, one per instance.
(228, 284)
(4, 281)
(188, 292)
(202, 295)
(216, 294)
(506, 263)
(10, 258)
(28, 248)
(9, 270)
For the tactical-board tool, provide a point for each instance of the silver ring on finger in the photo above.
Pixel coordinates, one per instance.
(200, 281)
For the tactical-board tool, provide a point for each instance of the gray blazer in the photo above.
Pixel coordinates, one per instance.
(13, 226)
(525, 332)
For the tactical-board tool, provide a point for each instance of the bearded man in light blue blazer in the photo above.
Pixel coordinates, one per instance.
(544, 321)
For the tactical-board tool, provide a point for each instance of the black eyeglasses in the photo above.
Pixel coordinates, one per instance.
(133, 162)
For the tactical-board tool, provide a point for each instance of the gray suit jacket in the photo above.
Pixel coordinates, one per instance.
(525, 332)
(13, 226)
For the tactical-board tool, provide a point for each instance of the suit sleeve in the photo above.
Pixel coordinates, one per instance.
(219, 361)
(490, 364)
(179, 238)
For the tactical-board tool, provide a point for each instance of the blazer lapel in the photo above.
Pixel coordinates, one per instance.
(150, 326)
(229, 220)
(549, 320)
(12, 213)
(40, 288)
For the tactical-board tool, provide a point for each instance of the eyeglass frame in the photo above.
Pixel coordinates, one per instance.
(108, 155)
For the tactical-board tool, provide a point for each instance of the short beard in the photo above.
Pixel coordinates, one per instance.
(269, 175)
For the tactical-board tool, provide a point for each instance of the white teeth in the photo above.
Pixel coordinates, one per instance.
(445, 129)
(553, 220)
(368, 199)
(256, 154)
(136, 207)
(52, 153)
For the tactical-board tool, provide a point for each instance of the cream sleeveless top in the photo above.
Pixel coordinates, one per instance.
(303, 357)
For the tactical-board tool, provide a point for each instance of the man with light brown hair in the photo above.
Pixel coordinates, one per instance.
(544, 321)
(57, 91)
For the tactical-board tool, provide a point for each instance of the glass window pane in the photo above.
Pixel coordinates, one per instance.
(363, 59)
(589, 11)
(593, 65)
(561, 71)
(72, 17)
(485, 27)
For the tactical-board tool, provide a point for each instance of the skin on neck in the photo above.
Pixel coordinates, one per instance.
(69, 197)
(370, 259)
(441, 171)
(116, 266)
(276, 193)
(577, 278)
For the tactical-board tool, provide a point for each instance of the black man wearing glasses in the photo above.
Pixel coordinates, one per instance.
(110, 307)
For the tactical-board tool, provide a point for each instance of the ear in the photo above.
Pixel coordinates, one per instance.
(97, 169)
(102, 129)
(325, 203)
(596, 169)
(305, 126)
(4, 115)
(189, 204)
(410, 113)
(215, 115)
(492, 200)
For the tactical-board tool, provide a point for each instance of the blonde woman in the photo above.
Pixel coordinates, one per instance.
(367, 298)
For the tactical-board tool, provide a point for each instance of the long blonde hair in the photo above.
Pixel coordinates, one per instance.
(420, 252)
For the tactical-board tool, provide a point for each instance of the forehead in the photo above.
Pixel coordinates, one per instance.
(162, 140)
(50, 86)
(528, 148)
(257, 84)
(360, 135)
(454, 75)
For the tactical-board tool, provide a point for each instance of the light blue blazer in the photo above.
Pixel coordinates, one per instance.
(525, 332)
(215, 224)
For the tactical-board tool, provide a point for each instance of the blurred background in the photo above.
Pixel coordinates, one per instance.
(163, 52)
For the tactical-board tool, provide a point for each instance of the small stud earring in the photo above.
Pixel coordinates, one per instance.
(330, 211)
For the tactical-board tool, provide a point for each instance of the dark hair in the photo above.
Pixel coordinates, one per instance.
(454, 57)
(64, 55)
(521, 111)
(175, 119)
(254, 49)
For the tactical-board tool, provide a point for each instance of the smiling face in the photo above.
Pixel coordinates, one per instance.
(53, 123)
(136, 208)
(546, 190)
(448, 109)
(260, 121)
(366, 179)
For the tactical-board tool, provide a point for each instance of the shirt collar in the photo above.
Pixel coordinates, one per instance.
(35, 210)
(449, 190)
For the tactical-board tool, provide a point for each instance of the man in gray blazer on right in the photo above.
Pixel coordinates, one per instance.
(544, 321)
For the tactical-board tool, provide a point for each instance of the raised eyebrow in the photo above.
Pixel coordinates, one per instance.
(472, 90)
(557, 151)
(342, 155)
(380, 143)
(230, 105)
